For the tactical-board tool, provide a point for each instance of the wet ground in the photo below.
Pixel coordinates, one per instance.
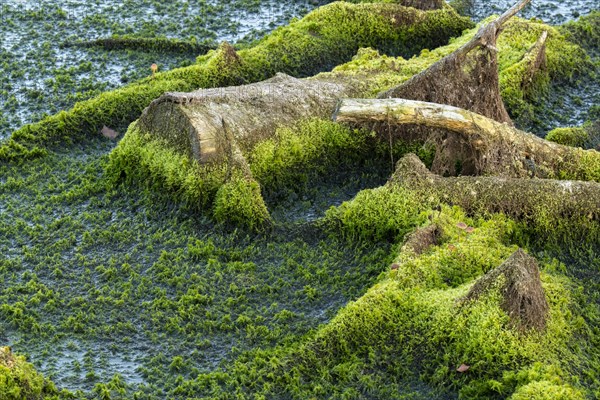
(554, 12)
(39, 76)
(89, 288)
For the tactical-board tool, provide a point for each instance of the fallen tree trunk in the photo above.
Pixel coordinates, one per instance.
(481, 145)
(145, 44)
(548, 206)
(194, 123)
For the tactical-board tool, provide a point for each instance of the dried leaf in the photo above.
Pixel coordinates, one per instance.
(461, 225)
(470, 229)
(109, 133)
(463, 368)
(395, 267)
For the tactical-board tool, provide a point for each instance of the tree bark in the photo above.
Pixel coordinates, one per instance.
(467, 78)
(481, 145)
(194, 123)
(545, 203)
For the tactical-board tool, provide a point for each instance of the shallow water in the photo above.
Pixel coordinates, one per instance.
(554, 12)
(38, 76)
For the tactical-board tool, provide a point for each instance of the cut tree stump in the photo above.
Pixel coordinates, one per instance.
(193, 123)
(523, 297)
(481, 145)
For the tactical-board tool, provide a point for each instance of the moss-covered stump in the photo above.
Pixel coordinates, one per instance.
(476, 145)
(323, 39)
(466, 78)
(203, 124)
(523, 297)
(552, 208)
(20, 381)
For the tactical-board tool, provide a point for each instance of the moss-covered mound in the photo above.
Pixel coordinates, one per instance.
(414, 325)
(20, 381)
(585, 32)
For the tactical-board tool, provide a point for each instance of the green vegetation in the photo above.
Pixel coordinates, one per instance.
(131, 271)
(585, 32)
(103, 281)
(411, 326)
(316, 43)
(576, 137)
(20, 381)
(240, 202)
(310, 149)
(566, 62)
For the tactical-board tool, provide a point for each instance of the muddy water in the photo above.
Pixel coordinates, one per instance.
(38, 76)
(551, 11)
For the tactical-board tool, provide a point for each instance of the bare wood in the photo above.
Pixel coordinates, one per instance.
(491, 148)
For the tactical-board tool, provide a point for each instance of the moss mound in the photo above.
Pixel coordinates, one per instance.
(576, 137)
(240, 202)
(20, 381)
(412, 326)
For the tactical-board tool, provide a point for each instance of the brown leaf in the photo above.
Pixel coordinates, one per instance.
(470, 229)
(452, 247)
(395, 267)
(463, 368)
(109, 133)
(461, 225)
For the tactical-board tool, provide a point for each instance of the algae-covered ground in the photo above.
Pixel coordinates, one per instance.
(40, 75)
(115, 288)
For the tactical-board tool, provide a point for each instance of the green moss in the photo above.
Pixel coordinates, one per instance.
(20, 381)
(326, 37)
(239, 202)
(310, 149)
(155, 44)
(376, 214)
(585, 32)
(412, 325)
(138, 159)
(576, 137)
(565, 62)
